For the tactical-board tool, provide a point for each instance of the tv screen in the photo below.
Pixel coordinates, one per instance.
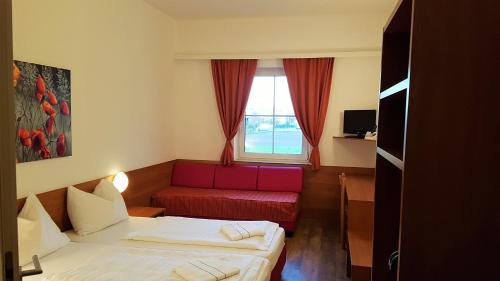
(359, 121)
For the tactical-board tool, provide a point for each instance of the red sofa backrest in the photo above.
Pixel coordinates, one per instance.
(273, 178)
(193, 175)
(236, 177)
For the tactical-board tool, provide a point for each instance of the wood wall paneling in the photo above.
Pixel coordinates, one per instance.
(146, 181)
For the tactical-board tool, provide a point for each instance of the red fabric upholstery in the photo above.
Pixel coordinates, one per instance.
(288, 179)
(193, 175)
(236, 177)
(241, 192)
(229, 204)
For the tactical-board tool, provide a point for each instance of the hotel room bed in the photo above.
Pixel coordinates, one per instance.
(204, 237)
(87, 261)
(117, 234)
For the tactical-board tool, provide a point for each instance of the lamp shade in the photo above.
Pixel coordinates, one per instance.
(120, 181)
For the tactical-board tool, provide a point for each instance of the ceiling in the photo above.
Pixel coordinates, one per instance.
(209, 9)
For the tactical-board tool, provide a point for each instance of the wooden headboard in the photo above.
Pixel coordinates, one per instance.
(142, 184)
(55, 203)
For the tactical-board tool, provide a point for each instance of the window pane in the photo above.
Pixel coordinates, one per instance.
(283, 100)
(261, 97)
(258, 134)
(287, 136)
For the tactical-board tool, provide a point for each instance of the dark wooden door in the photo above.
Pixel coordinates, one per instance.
(450, 226)
(8, 207)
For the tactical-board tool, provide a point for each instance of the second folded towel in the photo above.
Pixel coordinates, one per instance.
(206, 270)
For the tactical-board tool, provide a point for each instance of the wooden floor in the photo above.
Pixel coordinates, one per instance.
(314, 251)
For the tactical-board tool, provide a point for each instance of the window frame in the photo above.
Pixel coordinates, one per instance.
(239, 151)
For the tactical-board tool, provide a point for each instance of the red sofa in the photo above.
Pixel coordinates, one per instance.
(238, 192)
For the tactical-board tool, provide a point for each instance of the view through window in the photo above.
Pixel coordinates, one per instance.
(270, 126)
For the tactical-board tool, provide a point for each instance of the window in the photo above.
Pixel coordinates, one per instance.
(270, 130)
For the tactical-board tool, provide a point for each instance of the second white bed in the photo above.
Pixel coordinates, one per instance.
(87, 261)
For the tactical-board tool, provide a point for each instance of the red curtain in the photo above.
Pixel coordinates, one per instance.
(310, 81)
(232, 81)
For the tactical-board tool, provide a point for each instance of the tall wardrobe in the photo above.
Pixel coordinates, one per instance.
(437, 194)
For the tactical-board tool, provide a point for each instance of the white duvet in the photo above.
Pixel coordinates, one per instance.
(117, 234)
(203, 232)
(110, 263)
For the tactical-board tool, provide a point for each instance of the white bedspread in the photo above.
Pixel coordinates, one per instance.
(117, 235)
(179, 230)
(79, 262)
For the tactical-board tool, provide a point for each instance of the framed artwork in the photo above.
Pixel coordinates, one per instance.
(42, 99)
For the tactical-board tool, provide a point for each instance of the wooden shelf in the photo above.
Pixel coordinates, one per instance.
(392, 122)
(387, 209)
(354, 139)
(403, 85)
(400, 19)
(391, 158)
(396, 46)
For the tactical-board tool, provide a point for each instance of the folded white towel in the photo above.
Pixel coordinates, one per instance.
(242, 230)
(206, 270)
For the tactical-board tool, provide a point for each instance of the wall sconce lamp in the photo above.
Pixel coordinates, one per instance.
(120, 181)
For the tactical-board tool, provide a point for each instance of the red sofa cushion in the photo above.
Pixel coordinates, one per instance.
(228, 204)
(193, 175)
(273, 178)
(236, 177)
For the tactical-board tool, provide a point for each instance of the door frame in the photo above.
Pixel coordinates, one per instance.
(8, 211)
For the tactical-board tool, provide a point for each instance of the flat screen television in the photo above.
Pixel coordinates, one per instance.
(359, 122)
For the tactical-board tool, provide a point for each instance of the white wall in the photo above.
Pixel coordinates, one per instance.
(355, 85)
(120, 53)
(198, 134)
(261, 36)
(197, 130)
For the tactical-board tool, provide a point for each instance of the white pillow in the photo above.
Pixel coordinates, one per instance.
(38, 234)
(91, 212)
(107, 190)
(28, 239)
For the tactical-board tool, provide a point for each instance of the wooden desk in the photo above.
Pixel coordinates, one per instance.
(360, 253)
(360, 188)
(357, 198)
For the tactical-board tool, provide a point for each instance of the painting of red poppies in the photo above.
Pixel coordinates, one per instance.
(42, 97)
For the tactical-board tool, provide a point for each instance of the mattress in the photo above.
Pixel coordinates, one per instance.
(77, 256)
(117, 235)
